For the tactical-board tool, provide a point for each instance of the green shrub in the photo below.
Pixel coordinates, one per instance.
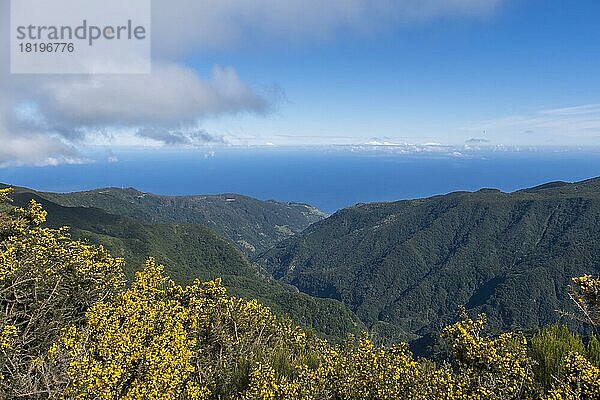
(593, 349)
(549, 348)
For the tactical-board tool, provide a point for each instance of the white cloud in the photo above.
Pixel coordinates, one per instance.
(38, 149)
(32, 147)
(172, 95)
(381, 143)
(586, 109)
(558, 125)
(166, 106)
(45, 118)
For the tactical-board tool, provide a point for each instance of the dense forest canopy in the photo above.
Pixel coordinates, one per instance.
(405, 267)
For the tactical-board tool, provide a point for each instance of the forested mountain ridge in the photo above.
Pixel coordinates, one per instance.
(406, 267)
(190, 252)
(71, 328)
(252, 225)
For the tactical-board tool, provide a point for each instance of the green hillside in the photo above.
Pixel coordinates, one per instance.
(192, 251)
(71, 328)
(253, 225)
(405, 267)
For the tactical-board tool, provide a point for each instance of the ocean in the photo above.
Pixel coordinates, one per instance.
(327, 178)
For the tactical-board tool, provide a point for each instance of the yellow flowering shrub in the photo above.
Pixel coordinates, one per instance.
(47, 281)
(4, 194)
(582, 380)
(586, 294)
(135, 347)
(366, 371)
(7, 336)
(489, 368)
(157, 340)
(581, 375)
(360, 371)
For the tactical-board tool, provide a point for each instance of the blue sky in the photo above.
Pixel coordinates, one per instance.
(443, 80)
(226, 73)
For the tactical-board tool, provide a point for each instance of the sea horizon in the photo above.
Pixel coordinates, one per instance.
(329, 178)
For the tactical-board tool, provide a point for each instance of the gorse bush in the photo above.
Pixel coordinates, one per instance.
(490, 368)
(581, 380)
(586, 293)
(158, 340)
(70, 329)
(47, 281)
